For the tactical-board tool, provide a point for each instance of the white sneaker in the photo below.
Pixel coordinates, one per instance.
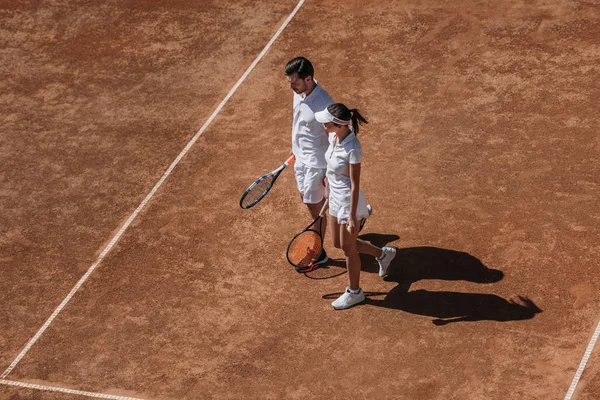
(348, 299)
(386, 259)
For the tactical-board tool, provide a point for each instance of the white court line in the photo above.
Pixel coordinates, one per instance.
(584, 360)
(114, 240)
(64, 390)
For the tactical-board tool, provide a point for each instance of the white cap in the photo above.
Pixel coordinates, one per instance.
(325, 116)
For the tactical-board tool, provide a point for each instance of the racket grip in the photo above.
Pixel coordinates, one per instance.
(324, 208)
(289, 160)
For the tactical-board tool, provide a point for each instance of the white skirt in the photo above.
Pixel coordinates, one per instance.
(339, 207)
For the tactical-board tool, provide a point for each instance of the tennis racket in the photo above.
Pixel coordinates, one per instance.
(261, 186)
(307, 245)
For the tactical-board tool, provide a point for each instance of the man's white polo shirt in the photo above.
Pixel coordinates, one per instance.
(309, 139)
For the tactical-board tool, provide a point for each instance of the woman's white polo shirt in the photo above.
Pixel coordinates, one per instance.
(339, 157)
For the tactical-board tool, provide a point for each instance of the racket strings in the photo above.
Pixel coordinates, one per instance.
(257, 191)
(305, 248)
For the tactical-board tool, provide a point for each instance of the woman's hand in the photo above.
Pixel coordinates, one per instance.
(352, 225)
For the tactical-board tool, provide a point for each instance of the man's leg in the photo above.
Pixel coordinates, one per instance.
(314, 210)
(312, 192)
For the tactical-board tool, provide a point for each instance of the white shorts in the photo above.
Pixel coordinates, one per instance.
(340, 207)
(310, 182)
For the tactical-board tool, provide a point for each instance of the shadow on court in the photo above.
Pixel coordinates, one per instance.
(417, 263)
(448, 307)
(413, 264)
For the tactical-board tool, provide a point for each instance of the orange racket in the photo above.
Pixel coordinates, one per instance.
(306, 246)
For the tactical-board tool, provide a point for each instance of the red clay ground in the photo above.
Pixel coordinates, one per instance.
(481, 165)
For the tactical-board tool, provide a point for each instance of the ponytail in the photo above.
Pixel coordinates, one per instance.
(342, 112)
(357, 120)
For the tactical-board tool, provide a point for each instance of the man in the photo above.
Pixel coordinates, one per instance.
(309, 139)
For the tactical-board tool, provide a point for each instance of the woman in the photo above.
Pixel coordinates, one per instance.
(347, 203)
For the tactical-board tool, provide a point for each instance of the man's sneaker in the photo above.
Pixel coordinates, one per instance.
(322, 258)
(348, 299)
(364, 220)
(386, 259)
(318, 262)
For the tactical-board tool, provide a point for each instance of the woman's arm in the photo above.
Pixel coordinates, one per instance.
(354, 190)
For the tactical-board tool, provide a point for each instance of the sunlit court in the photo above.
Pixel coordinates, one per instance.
(131, 129)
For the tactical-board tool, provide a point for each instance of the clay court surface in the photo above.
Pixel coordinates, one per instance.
(481, 164)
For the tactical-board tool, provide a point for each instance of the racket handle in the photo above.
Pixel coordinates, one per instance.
(289, 160)
(324, 208)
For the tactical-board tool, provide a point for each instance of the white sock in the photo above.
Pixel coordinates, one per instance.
(357, 291)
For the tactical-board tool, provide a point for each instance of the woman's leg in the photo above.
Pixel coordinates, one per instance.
(349, 245)
(353, 295)
(384, 256)
(368, 248)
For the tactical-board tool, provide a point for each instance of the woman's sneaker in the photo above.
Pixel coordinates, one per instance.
(349, 299)
(386, 259)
